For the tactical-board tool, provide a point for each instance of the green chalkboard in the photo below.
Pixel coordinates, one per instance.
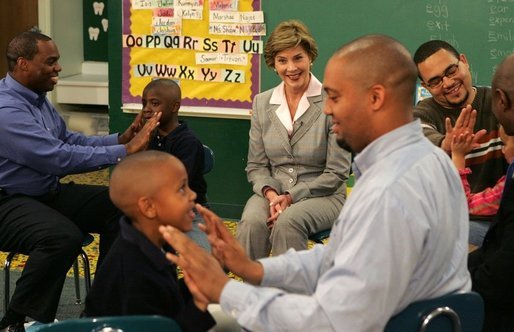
(481, 29)
(96, 27)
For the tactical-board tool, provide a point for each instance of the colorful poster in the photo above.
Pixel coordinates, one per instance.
(215, 57)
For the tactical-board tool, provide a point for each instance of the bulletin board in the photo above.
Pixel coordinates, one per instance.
(210, 47)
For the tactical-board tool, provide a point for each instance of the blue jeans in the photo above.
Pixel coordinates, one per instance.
(477, 231)
(197, 235)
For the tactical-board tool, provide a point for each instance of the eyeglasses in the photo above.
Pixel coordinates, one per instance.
(438, 80)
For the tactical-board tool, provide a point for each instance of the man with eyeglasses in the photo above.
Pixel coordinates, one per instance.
(456, 107)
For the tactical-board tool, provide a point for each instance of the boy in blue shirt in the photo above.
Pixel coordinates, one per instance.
(175, 137)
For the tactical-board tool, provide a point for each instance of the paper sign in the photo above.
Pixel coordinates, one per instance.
(231, 5)
(189, 3)
(252, 29)
(194, 43)
(236, 17)
(150, 4)
(189, 13)
(184, 72)
(222, 58)
(166, 26)
(163, 12)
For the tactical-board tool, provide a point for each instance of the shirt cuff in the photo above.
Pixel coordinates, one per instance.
(111, 139)
(118, 152)
(273, 270)
(234, 297)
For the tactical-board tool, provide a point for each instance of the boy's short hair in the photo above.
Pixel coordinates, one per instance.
(131, 172)
(164, 82)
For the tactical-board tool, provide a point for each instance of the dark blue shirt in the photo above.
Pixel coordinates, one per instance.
(36, 147)
(136, 279)
(183, 144)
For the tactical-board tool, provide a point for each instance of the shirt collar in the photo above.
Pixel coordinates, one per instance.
(314, 89)
(155, 254)
(386, 144)
(32, 97)
(278, 97)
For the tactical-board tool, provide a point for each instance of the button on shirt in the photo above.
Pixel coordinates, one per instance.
(37, 149)
(401, 237)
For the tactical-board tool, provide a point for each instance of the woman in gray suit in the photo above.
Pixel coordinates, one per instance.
(297, 170)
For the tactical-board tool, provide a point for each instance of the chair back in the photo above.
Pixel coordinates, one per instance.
(208, 163)
(141, 323)
(449, 313)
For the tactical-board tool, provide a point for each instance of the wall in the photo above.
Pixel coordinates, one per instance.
(228, 188)
(15, 17)
(480, 29)
(96, 19)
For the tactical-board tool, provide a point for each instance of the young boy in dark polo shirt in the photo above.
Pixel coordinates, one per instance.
(175, 137)
(151, 188)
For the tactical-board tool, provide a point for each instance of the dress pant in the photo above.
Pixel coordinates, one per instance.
(50, 229)
(291, 229)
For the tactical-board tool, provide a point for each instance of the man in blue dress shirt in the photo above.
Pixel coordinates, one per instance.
(401, 236)
(39, 216)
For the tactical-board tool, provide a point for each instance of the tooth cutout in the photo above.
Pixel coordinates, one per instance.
(105, 24)
(93, 33)
(98, 8)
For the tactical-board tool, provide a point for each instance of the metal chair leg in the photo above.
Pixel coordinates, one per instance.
(87, 275)
(77, 282)
(87, 270)
(7, 281)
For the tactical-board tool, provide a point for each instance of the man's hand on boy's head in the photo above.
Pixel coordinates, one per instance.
(203, 270)
(140, 141)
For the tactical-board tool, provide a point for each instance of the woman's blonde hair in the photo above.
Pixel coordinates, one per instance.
(289, 34)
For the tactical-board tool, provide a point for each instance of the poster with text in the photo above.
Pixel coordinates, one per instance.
(211, 48)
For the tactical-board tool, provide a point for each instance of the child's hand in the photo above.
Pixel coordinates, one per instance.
(462, 143)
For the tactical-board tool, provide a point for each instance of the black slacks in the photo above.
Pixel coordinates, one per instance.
(50, 230)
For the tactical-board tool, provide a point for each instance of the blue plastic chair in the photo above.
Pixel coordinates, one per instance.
(450, 313)
(320, 236)
(208, 163)
(141, 323)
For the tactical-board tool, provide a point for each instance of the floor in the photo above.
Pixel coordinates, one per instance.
(68, 307)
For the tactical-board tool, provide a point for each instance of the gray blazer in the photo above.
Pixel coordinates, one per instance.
(307, 164)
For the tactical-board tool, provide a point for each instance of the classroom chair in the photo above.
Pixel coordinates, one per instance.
(138, 323)
(320, 236)
(208, 163)
(85, 263)
(456, 312)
